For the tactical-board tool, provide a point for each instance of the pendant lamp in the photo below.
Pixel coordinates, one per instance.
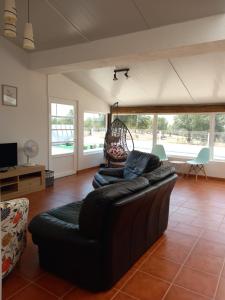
(10, 13)
(10, 18)
(28, 38)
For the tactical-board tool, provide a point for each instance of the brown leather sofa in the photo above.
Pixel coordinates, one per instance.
(95, 241)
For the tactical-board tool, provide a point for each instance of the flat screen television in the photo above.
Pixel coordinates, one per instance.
(8, 155)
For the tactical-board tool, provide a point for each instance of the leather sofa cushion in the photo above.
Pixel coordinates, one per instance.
(106, 179)
(138, 162)
(153, 163)
(97, 204)
(159, 174)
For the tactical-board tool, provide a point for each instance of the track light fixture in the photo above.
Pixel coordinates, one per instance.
(126, 74)
(125, 71)
(114, 77)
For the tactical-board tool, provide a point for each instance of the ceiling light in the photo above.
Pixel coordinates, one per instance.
(10, 13)
(124, 70)
(28, 38)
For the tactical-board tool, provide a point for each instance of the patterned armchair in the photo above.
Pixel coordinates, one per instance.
(13, 232)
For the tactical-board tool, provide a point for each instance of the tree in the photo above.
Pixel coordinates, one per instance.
(220, 123)
(162, 123)
(191, 122)
(137, 121)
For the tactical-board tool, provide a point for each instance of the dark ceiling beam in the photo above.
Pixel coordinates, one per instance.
(168, 109)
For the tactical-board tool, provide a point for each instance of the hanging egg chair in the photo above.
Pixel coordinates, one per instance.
(118, 141)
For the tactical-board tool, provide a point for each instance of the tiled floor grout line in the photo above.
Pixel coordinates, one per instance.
(19, 290)
(44, 289)
(129, 295)
(67, 292)
(194, 292)
(136, 270)
(218, 282)
(181, 266)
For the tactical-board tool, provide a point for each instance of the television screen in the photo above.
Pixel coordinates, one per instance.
(8, 155)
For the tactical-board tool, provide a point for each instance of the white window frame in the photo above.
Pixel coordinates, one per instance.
(66, 102)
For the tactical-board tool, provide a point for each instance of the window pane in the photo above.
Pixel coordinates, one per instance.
(62, 148)
(140, 127)
(183, 134)
(62, 123)
(63, 110)
(94, 131)
(62, 136)
(219, 141)
(62, 128)
(53, 109)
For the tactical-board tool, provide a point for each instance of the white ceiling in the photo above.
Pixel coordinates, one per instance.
(189, 80)
(184, 80)
(59, 23)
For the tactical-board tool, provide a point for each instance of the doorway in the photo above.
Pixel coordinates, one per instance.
(63, 137)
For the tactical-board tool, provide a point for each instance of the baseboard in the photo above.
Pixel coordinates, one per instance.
(63, 174)
(202, 177)
(87, 170)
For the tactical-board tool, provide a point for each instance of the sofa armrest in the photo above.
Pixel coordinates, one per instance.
(14, 211)
(13, 231)
(48, 227)
(116, 172)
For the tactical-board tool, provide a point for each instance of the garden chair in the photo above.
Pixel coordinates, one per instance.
(159, 151)
(197, 164)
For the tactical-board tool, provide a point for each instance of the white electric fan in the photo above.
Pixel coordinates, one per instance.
(31, 150)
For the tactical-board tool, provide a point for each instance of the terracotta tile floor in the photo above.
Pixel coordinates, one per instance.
(187, 263)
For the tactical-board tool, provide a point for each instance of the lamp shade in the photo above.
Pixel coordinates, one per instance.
(10, 13)
(28, 38)
(10, 29)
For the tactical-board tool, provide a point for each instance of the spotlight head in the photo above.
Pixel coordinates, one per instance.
(114, 77)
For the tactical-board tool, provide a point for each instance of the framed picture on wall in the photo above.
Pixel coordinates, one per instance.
(9, 95)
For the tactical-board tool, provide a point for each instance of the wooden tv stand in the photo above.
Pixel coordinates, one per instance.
(21, 180)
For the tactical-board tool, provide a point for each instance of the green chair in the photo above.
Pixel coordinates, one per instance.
(197, 164)
(159, 151)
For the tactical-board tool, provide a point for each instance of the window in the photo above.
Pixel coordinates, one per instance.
(183, 134)
(219, 137)
(94, 131)
(62, 128)
(141, 129)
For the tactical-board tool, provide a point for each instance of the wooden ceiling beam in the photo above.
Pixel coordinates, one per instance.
(168, 109)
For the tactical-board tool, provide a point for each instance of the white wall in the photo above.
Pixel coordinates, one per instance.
(29, 119)
(213, 168)
(62, 87)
